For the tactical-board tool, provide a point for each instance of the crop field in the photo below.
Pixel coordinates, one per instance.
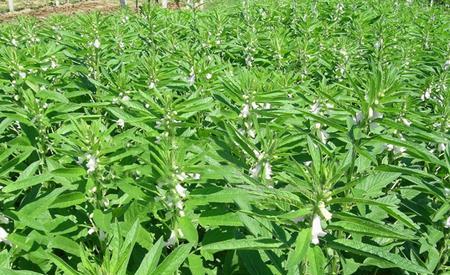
(251, 137)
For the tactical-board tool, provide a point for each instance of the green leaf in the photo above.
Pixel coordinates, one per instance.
(58, 97)
(150, 261)
(367, 229)
(224, 219)
(68, 199)
(357, 201)
(253, 262)
(66, 244)
(246, 244)
(102, 220)
(196, 264)
(188, 229)
(66, 268)
(415, 150)
(69, 172)
(173, 262)
(25, 183)
(372, 185)
(297, 256)
(227, 195)
(126, 249)
(400, 216)
(377, 253)
(7, 271)
(360, 225)
(316, 261)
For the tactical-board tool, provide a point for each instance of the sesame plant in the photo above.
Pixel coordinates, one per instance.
(253, 137)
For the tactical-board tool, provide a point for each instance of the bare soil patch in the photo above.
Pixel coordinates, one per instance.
(66, 9)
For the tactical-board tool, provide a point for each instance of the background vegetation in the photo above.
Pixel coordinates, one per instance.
(269, 137)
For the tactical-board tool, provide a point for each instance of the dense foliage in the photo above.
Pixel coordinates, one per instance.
(271, 137)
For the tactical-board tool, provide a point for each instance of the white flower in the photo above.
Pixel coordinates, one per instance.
(267, 171)
(80, 160)
(208, 76)
(389, 147)
(180, 205)
(251, 133)
(182, 176)
(91, 165)
(152, 85)
(325, 213)
(91, 230)
(315, 108)
(191, 79)
(447, 223)
(96, 44)
(120, 122)
(316, 230)
(447, 64)
(14, 42)
(298, 219)
(125, 98)
(102, 235)
(406, 121)
(370, 113)
(180, 190)
(196, 176)
(254, 172)
(374, 114)
(245, 112)
(254, 105)
(180, 233)
(358, 117)
(22, 74)
(426, 94)
(258, 155)
(4, 236)
(248, 61)
(378, 44)
(442, 147)
(323, 135)
(106, 202)
(172, 239)
(399, 150)
(53, 64)
(317, 125)
(4, 219)
(447, 192)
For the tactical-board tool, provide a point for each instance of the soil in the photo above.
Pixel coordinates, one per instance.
(66, 9)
